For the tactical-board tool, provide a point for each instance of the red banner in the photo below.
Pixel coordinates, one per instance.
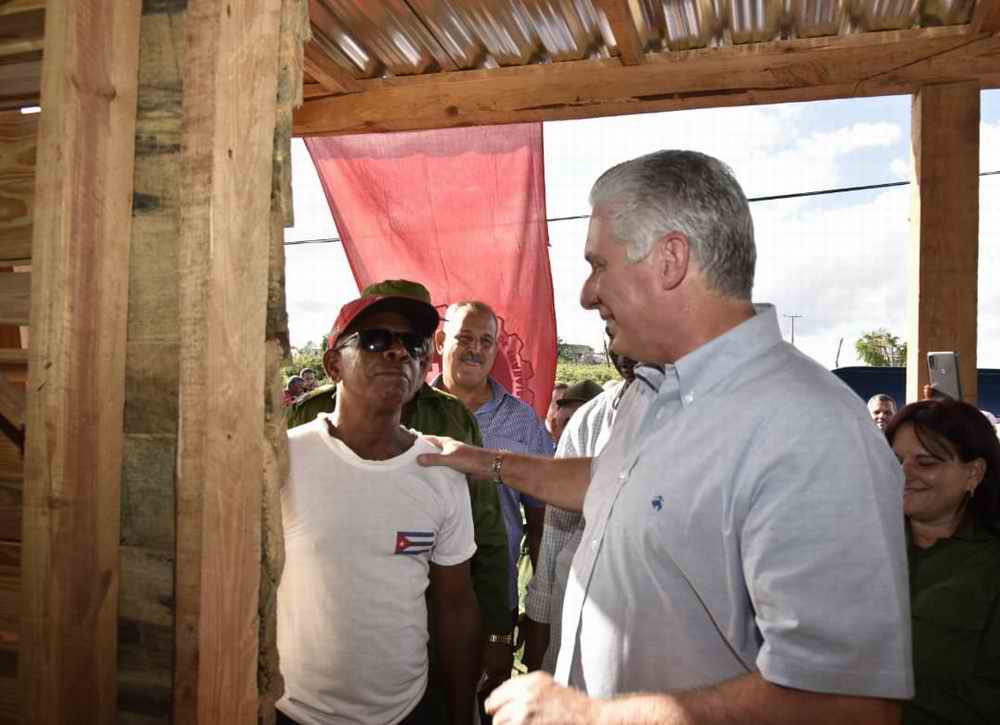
(461, 211)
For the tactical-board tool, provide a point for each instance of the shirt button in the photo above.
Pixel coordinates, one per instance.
(623, 475)
(689, 398)
(594, 544)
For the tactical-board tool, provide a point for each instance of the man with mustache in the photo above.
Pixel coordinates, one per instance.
(367, 533)
(467, 344)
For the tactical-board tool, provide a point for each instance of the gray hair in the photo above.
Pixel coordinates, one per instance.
(475, 306)
(882, 398)
(689, 192)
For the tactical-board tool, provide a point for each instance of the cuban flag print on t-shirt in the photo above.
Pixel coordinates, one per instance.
(414, 542)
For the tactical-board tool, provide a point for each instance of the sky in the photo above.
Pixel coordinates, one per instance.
(838, 261)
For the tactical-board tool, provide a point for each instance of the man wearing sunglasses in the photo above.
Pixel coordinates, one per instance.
(434, 412)
(367, 533)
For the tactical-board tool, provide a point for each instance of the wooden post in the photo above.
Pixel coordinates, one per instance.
(944, 261)
(83, 198)
(230, 92)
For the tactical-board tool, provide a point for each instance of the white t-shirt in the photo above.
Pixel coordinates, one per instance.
(359, 539)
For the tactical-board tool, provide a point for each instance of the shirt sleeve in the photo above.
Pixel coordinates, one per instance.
(455, 541)
(824, 555)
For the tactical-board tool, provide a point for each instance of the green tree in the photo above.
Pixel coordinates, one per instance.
(309, 355)
(572, 372)
(880, 348)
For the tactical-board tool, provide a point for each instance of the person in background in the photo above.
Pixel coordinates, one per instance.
(434, 412)
(572, 398)
(951, 465)
(293, 390)
(881, 407)
(309, 380)
(584, 435)
(550, 416)
(368, 533)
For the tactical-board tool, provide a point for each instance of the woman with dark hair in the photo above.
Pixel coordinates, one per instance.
(951, 465)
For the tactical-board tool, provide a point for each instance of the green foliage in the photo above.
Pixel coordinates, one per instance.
(570, 373)
(309, 355)
(880, 348)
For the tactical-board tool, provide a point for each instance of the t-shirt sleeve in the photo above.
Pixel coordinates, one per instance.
(824, 556)
(455, 541)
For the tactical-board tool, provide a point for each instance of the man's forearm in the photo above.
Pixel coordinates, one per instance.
(460, 652)
(561, 482)
(748, 700)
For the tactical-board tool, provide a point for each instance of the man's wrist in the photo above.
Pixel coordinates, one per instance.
(496, 466)
(505, 638)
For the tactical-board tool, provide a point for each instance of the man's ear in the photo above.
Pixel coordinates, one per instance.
(439, 341)
(673, 254)
(331, 363)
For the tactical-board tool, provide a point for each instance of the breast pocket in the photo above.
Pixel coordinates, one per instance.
(949, 623)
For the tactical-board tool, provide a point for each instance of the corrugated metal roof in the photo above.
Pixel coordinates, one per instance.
(384, 38)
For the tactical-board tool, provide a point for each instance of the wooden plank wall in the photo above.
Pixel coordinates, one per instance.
(69, 602)
(146, 616)
(944, 259)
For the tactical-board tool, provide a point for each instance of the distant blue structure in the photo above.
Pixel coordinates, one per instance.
(867, 381)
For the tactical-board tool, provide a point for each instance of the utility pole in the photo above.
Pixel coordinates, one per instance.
(836, 363)
(793, 318)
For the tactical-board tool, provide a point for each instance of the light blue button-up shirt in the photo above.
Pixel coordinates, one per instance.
(745, 516)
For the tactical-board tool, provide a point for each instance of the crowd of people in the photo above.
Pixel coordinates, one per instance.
(724, 535)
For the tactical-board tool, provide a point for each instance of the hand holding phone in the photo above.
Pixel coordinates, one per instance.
(942, 369)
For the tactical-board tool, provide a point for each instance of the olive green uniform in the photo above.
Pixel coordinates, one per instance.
(955, 604)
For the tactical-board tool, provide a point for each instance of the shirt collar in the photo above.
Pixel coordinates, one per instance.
(717, 360)
(499, 392)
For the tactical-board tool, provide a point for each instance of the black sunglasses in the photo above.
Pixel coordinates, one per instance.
(378, 339)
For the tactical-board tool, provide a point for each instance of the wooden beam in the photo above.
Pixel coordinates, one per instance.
(73, 461)
(15, 298)
(22, 27)
(619, 16)
(945, 255)
(20, 83)
(987, 17)
(869, 64)
(12, 401)
(327, 72)
(18, 139)
(224, 246)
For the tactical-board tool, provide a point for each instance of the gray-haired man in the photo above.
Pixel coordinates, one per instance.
(744, 557)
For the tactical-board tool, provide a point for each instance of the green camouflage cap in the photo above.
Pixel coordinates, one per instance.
(398, 288)
(580, 393)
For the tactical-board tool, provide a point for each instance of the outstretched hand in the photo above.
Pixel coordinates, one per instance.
(469, 460)
(536, 699)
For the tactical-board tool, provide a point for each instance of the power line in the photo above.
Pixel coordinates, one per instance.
(774, 197)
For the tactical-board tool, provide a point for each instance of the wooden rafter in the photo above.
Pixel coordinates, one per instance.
(622, 24)
(869, 64)
(332, 76)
